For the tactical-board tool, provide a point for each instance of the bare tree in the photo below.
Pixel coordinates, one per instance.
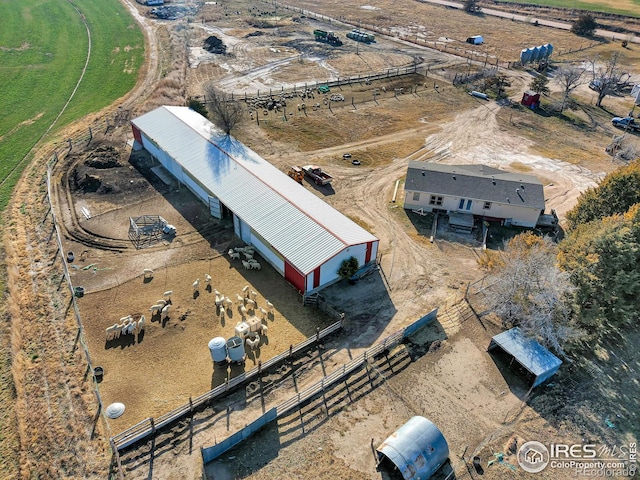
(224, 111)
(607, 76)
(529, 291)
(569, 79)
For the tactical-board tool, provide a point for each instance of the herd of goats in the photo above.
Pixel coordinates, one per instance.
(247, 302)
(279, 102)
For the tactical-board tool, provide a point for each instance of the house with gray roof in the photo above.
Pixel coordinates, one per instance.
(478, 190)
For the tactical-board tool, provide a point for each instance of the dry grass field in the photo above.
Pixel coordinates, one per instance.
(170, 362)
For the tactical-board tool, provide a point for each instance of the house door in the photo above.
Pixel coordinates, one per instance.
(465, 204)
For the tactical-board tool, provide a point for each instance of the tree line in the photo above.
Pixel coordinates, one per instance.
(583, 287)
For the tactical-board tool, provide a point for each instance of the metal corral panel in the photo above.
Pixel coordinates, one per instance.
(298, 225)
(528, 353)
(417, 448)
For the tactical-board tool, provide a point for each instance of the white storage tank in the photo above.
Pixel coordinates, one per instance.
(218, 349)
(235, 350)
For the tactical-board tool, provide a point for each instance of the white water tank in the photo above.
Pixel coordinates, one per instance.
(235, 349)
(218, 349)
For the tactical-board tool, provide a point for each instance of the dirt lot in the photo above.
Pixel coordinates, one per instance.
(474, 400)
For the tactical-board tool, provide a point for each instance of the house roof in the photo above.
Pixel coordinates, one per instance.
(477, 182)
(529, 353)
(300, 226)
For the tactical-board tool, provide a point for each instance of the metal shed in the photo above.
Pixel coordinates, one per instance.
(417, 449)
(535, 358)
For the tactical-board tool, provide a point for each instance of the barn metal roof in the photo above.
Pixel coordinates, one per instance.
(300, 226)
(478, 182)
(527, 352)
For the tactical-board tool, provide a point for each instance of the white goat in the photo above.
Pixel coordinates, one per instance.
(167, 294)
(126, 319)
(263, 313)
(234, 255)
(253, 343)
(111, 331)
(141, 323)
(148, 273)
(131, 328)
(227, 302)
(196, 285)
(255, 266)
(219, 300)
(240, 298)
(245, 289)
(243, 310)
(251, 305)
(155, 309)
(246, 265)
(269, 306)
(217, 293)
(165, 310)
(161, 302)
(264, 329)
(248, 256)
(207, 279)
(253, 295)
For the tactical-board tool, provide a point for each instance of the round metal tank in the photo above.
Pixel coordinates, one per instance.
(543, 52)
(535, 56)
(549, 49)
(218, 349)
(235, 349)
(525, 55)
(418, 449)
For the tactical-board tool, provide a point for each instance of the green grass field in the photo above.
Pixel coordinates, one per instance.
(43, 48)
(621, 7)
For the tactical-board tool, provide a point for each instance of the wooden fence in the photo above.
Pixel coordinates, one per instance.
(211, 453)
(149, 426)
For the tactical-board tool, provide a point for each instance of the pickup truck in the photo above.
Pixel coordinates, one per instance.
(627, 123)
(317, 175)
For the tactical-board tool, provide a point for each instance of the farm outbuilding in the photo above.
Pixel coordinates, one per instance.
(533, 357)
(530, 99)
(478, 190)
(297, 233)
(417, 449)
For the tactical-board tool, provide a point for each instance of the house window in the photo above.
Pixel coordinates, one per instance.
(416, 196)
(435, 200)
(487, 205)
(461, 204)
(469, 204)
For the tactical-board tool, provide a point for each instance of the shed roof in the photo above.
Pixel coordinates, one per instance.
(417, 448)
(477, 182)
(529, 353)
(300, 226)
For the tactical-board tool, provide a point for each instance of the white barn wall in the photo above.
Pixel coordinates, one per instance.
(329, 270)
(274, 259)
(165, 160)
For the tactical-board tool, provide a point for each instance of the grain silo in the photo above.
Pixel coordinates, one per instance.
(417, 450)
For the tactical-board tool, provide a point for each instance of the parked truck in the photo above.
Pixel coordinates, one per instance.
(317, 175)
(328, 37)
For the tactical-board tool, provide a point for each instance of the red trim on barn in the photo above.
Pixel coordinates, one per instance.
(316, 278)
(136, 134)
(293, 276)
(367, 255)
